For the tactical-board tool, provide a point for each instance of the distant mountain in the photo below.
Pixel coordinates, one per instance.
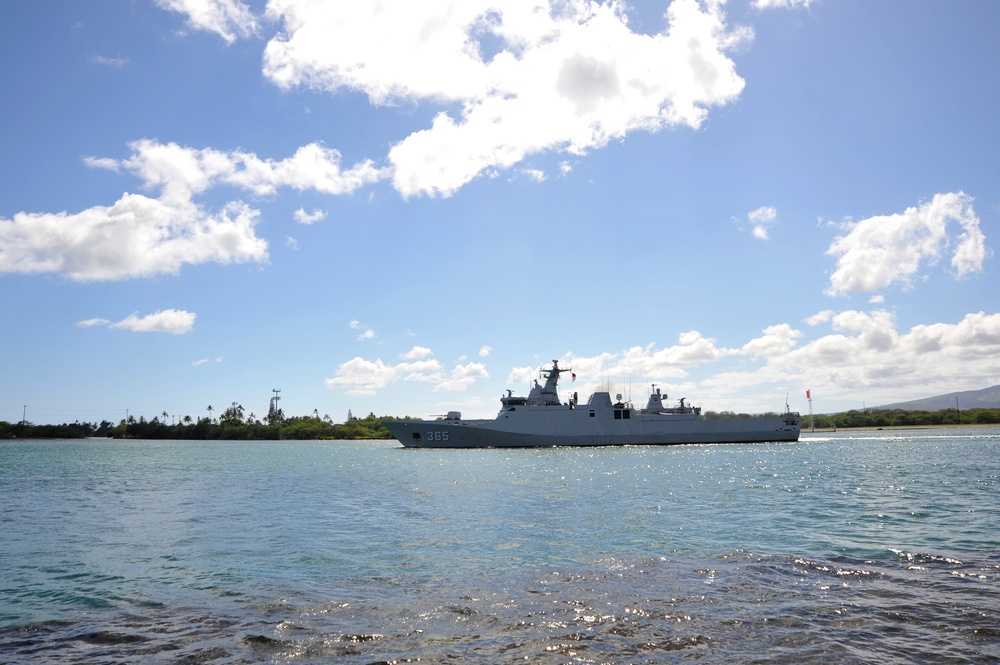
(987, 398)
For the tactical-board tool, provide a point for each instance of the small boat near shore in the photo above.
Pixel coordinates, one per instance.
(542, 420)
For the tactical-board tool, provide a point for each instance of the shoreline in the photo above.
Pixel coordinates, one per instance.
(875, 428)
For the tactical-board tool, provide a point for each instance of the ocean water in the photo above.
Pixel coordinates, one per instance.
(873, 547)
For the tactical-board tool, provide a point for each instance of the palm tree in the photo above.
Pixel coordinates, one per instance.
(233, 415)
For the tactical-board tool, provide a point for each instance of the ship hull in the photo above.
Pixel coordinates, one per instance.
(490, 434)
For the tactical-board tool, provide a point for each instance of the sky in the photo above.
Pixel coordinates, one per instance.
(407, 208)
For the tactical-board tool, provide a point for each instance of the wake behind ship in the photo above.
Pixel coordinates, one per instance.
(542, 420)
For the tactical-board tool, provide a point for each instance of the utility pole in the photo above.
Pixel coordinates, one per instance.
(273, 413)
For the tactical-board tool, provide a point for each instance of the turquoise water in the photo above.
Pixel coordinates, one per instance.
(844, 547)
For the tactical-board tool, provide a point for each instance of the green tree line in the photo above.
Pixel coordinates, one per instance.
(884, 418)
(232, 424)
(903, 418)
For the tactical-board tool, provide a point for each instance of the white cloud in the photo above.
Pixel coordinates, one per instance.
(114, 63)
(534, 174)
(417, 353)
(303, 217)
(181, 171)
(869, 356)
(692, 349)
(762, 215)
(485, 351)
(875, 330)
(366, 332)
(529, 77)
(782, 4)
(776, 340)
(521, 375)
(365, 377)
(426, 370)
(136, 237)
(656, 364)
(462, 376)
(292, 243)
(90, 323)
(820, 317)
(884, 250)
(141, 237)
(759, 221)
(864, 356)
(173, 321)
(106, 163)
(228, 19)
(762, 218)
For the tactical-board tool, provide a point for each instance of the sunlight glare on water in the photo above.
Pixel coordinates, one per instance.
(844, 547)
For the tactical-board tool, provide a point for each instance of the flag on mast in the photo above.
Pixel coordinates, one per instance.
(808, 396)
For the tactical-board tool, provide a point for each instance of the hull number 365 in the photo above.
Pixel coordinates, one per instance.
(437, 436)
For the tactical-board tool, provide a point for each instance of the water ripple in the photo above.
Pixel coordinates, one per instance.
(840, 549)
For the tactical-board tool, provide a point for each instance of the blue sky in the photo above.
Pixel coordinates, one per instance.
(406, 208)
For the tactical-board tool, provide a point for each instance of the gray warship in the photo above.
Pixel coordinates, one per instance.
(542, 420)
